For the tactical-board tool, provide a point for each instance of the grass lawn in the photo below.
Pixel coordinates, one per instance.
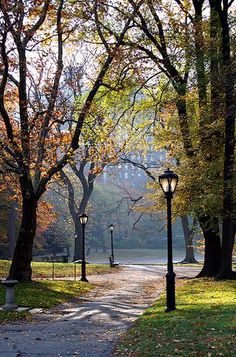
(44, 270)
(203, 325)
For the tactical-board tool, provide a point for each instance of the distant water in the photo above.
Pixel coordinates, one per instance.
(138, 256)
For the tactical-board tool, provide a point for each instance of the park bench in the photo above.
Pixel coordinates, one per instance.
(55, 258)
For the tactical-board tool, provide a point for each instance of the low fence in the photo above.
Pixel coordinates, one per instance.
(56, 270)
(47, 270)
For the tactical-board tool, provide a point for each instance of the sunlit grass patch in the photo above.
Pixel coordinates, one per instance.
(46, 270)
(42, 294)
(63, 270)
(47, 294)
(203, 325)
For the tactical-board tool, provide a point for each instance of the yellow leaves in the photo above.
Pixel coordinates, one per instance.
(65, 138)
(103, 153)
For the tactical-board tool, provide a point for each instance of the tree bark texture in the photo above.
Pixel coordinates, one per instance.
(11, 229)
(21, 263)
(228, 233)
(212, 261)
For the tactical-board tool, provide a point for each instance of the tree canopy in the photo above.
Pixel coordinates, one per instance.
(75, 76)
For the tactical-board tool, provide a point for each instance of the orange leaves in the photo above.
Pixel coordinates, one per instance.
(11, 98)
(97, 170)
(46, 215)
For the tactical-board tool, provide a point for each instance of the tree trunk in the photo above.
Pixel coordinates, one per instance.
(227, 249)
(212, 259)
(78, 238)
(188, 237)
(228, 233)
(88, 251)
(74, 215)
(21, 264)
(87, 185)
(11, 229)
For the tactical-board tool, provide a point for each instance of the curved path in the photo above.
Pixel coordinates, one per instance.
(89, 326)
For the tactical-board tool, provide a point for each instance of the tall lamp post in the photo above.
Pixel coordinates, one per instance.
(111, 228)
(168, 182)
(83, 220)
(75, 244)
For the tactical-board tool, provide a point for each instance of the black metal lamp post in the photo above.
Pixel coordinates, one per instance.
(111, 228)
(168, 182)
(75, 242)
(83, 220)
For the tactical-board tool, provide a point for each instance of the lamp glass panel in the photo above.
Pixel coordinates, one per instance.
(111, 227)
(83, 219)
(165, 184)
(173, 184)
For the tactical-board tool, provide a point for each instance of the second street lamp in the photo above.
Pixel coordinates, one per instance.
(111, 228)
(75, 244)
(83, 220)
(168, 182)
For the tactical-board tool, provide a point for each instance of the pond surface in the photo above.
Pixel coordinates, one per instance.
(138, 256)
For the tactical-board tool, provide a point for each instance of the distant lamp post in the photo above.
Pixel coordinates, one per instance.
(83, 220)
(111, 228)
(75, 243)
(168, 182)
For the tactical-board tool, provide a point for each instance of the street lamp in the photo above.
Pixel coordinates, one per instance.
(168, 182)
(111, 228)
(83, 220)
(75, 243)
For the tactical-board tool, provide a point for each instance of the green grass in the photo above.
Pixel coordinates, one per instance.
(44, 270)
(41, 294)
(204, 324)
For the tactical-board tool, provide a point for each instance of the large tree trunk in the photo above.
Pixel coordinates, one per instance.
(11, 229)
(188, 237)
(228, 233)
(21, 264)
(210, 228)
(208, 224)
(227, 249)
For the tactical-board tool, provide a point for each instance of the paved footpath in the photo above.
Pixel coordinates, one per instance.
(89, 326)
